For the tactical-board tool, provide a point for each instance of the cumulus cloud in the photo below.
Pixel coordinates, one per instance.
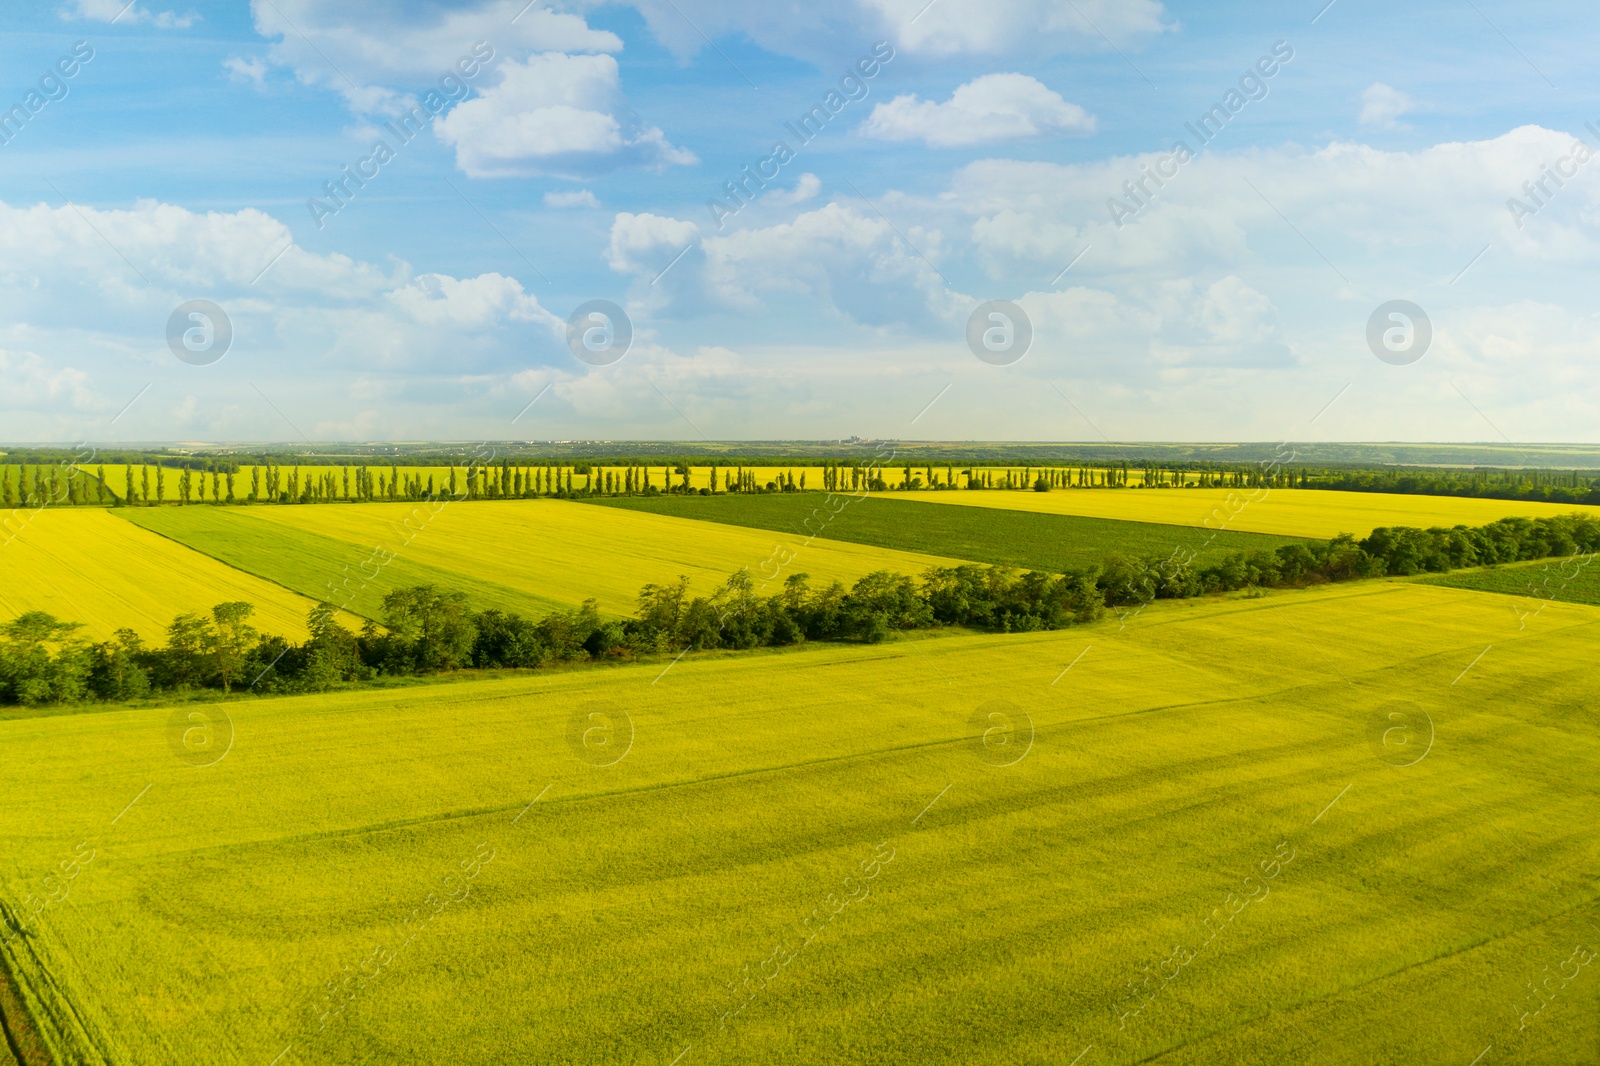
(438, 299)
(994, 107)
(83, 330)
(1208, 278)
(1356, 203)
(1382, 106)
(548, 100)
(646, 244)
(854, 264)
(804, 190)
(554, 115)
(1177, 326)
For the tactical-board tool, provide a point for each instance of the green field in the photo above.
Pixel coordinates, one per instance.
(1575, 579)
(529, 556)
(321, 567)
(627, 915)
(1023, 539)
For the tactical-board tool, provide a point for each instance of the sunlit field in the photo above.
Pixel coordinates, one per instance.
(1192, 839)
(87, 565)
(555, 552)
(1285, 512)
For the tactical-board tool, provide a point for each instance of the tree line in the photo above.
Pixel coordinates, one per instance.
(161, 480)
(1550, 486)
(427, 630)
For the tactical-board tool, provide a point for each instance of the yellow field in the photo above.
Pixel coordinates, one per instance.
(1286, 512)
(86, 565)
(227, 905)
(571, 551)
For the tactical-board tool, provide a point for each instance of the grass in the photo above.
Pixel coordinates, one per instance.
(83, 564)
(565, 552)
(1318, 513)
(323, 567)
(1024, 539)
(1574, 579)
(1169, 763)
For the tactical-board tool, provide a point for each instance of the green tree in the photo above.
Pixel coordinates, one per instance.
(31, 672)
(117, 673)
(227, 644)
(429, 629)
(184, 660)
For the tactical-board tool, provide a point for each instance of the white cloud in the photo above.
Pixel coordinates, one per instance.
(552, 115)
(857, 265)
(1382, 106)
(123, 11)
(31, 381)
(435, 299)
(645, 244)
(83, 330)
(804, 190)
(1360, 206)
(548, 100)
(252, 71)
(994, 107)
(379, 52)
(581, 198)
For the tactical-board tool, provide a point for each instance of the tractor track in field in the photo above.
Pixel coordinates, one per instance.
(1337, 994)
(22, 1044)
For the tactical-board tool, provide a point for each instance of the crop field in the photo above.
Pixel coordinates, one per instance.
(350, 574)
(87, 565)
(549, 552)
(1025, 539)
(1575, 579)
(820, 855)
(1284, 512)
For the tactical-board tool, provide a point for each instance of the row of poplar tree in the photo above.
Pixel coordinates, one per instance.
(57, 484)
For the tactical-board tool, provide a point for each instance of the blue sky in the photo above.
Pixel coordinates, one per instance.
(578, 162)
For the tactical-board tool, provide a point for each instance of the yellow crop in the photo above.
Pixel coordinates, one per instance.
(445, 868)
(86, 565)
(1286, 512)
(571, 551)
